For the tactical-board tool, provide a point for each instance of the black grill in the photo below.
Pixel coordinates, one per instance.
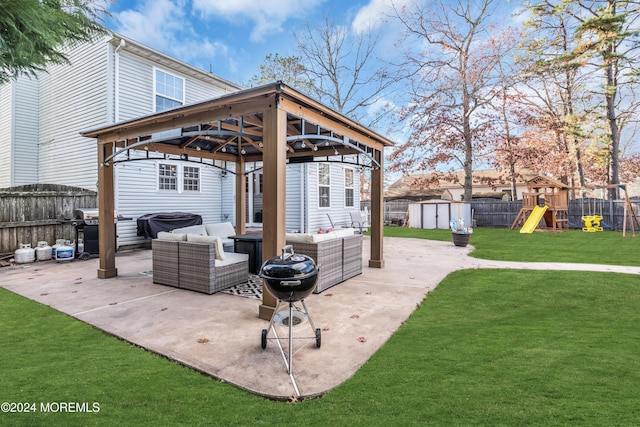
(86, 223)
(290, 278)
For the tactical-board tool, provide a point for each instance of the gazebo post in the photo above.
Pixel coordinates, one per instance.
(106, 226)
(274, 190)
(377, 208)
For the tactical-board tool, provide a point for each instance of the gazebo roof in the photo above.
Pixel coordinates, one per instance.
(231, 126)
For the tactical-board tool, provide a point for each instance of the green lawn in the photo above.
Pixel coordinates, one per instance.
(608, 247)
(487, 347)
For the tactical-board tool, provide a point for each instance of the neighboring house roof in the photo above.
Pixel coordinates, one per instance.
(431, 186)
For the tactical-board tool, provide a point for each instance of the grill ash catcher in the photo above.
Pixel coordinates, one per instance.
(289, 278)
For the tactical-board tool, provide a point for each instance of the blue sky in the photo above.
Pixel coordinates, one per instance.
(232, 37)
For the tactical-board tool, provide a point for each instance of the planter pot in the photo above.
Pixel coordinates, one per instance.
(460, 239)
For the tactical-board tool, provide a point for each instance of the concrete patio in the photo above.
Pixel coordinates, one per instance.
(220, 334)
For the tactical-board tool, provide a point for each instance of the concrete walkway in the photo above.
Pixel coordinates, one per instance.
(220, 334)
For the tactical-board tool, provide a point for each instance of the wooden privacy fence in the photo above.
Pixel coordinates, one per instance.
(501, 214)
(395, 211)
(492, 213)
(39, 212)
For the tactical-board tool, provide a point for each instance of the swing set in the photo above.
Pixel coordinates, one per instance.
(594, 217)
(594, 210)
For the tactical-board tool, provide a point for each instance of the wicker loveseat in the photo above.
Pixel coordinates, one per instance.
(196, 265)
(338, 254)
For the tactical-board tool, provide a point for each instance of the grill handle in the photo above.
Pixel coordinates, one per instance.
(286, 254)
(290, 283)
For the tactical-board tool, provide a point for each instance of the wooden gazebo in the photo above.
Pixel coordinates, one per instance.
(555, 196)
(273, 123)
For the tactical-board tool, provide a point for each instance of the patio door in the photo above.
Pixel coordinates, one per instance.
(254, 197)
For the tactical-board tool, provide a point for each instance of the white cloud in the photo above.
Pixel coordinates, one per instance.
(154, 23)
(374, 14)
(165, 26)
(268, 17)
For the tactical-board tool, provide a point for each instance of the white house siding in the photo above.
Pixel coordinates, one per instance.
(295, 198)
(228, 189)
(197, 90)
(318, 217)
(72, 98)
(25, 132)
(137, 194)
(135, 92)
(6, 133)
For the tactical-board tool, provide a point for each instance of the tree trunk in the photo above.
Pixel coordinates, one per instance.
(614, 147)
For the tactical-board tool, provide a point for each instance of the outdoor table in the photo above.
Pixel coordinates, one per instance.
(250, 244)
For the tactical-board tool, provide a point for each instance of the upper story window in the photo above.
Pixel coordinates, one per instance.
(169, 91)
(324, 185)
(348, 188)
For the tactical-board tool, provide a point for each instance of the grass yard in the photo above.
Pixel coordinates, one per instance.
(608, 247)
(487, 347)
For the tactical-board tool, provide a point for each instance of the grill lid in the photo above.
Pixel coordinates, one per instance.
(89, 213)
(288, 266)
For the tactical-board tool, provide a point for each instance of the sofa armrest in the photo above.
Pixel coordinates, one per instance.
(327, 255)
(165, 262)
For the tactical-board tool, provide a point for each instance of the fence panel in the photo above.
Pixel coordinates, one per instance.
(501, 214)
(31, 213)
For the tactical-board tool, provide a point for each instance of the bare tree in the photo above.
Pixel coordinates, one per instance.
(454, 72)
(344, 70)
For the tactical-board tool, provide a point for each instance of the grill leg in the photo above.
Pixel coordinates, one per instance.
(273, 316)
(306, 311)
(290, 337)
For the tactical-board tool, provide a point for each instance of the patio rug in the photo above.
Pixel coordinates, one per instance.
(251, 289)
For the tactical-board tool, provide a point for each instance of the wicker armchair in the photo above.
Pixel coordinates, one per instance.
(338, 259)
(193, 266)
(351, 256)
(165, 262)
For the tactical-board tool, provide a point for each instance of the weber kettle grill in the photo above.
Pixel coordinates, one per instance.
(290, 278)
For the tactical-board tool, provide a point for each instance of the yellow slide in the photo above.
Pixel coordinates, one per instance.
(533, 220)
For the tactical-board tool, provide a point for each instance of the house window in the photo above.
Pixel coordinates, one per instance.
(191, 178)
(169, 91)
(167, 177)
(348, 188)
(324, 185)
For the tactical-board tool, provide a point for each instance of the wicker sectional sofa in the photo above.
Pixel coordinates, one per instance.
(195, 266)
(338, 255)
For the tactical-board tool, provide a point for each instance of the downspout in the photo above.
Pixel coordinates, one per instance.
(12, 134)
(116, 118)
(304, 202)
(116, 80)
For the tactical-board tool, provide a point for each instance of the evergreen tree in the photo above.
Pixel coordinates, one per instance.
(33, 32)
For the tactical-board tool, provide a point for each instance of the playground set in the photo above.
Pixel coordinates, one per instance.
(554, 208)
(548, 199)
